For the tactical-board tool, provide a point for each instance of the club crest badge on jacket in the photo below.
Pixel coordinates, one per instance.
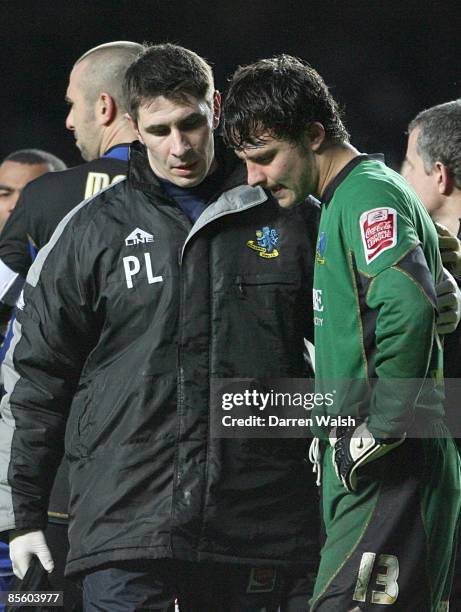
(265, 243)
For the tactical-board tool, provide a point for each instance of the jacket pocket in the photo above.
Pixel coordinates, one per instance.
(258, 323)
(267, 291)
(78, 420)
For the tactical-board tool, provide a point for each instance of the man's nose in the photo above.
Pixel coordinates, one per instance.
(70, 120)
(13, 200)
(255, 175)
(179, 143)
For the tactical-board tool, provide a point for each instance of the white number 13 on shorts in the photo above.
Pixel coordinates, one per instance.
(386, 579)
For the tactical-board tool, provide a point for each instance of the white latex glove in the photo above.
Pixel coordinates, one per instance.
(23, 546)
(448, 304)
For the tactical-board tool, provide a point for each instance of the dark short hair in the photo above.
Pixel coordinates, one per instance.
(167, 70)
(35, 157)
(283, 96)
(439, 138)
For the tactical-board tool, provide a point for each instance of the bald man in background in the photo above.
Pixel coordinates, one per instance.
(432, 166)
(95, 96)
(102, 133)
(18, 169)
(97, 120)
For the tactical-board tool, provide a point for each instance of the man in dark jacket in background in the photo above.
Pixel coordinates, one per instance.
(179, 274)
(16, 171)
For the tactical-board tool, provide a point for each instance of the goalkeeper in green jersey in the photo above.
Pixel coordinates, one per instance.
(391, 482)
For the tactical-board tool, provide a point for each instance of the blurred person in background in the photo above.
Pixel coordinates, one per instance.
(18, 169)
(432, 167)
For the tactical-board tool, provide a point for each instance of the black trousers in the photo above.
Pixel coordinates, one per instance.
(56, 537)
(155, 586)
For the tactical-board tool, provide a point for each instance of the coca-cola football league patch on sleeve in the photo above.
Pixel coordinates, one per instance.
(378, 228)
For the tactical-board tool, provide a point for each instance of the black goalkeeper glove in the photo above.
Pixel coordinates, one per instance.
(353, 447)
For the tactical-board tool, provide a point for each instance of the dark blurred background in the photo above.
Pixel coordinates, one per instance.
(384, 60)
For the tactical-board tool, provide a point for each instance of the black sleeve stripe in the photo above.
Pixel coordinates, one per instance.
(415, 265)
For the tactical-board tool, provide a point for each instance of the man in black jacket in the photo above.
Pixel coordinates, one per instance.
(16, 170)
(97, 119)
(147, 292)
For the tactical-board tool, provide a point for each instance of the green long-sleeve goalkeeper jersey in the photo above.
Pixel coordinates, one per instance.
(377, 262)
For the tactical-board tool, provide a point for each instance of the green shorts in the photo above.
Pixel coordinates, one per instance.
(389, 545)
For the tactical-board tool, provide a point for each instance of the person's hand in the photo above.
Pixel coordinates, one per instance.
(26, 544)
(448, 304)
(354, 447)
(450, 249)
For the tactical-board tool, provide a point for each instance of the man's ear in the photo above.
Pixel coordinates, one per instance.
(445, 182)
(106, 109)
(134, 125)
(216, 108)
(315, 135)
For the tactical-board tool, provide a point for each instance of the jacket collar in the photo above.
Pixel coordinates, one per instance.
(118, 151)
(339, 178)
